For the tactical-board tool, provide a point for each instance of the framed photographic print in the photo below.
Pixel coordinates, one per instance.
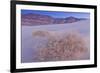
(52, 36)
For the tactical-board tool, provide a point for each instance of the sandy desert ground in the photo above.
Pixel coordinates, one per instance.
(33, 40)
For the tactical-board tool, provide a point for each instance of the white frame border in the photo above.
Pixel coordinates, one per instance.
(20, 65)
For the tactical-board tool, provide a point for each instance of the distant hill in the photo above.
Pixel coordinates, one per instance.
(39, 19)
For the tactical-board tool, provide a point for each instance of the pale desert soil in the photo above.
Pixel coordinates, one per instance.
(31, 44)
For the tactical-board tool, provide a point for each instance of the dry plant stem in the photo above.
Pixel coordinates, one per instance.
(71, 47)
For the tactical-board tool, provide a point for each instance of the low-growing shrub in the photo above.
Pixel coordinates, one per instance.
(71, 46)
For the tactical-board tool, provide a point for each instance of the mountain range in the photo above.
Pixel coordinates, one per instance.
(39, 19)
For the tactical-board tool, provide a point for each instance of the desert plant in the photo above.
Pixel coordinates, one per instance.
(71, 47)
(40, 33)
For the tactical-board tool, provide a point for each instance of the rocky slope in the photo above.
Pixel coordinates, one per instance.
(38, 19)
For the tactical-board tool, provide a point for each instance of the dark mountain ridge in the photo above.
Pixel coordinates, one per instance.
(39, 19)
